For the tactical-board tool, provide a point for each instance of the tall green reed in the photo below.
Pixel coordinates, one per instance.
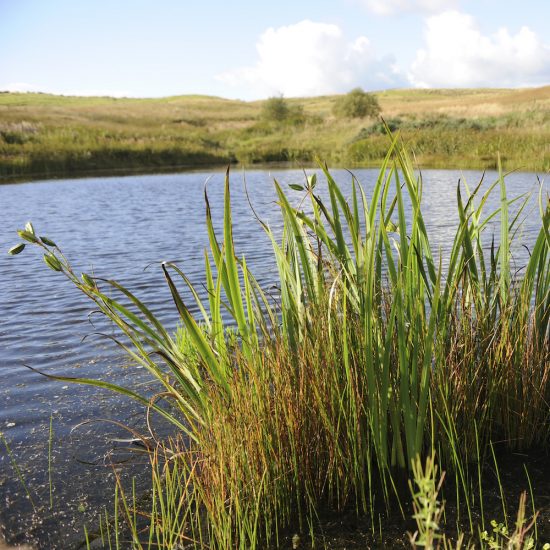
(373, 357)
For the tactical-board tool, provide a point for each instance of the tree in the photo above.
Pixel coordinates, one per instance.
(357, 104)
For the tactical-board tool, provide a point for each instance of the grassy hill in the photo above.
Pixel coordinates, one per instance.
(43, 134)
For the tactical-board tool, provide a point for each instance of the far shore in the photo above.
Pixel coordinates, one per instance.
(45, 136)
(219, 168)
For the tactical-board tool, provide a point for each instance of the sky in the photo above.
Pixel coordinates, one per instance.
(250, 49)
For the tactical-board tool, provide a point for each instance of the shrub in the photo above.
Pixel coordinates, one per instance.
(277, 109)
(357, 104)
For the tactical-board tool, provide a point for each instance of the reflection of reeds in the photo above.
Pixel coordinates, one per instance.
(17, 470)
(371, 358)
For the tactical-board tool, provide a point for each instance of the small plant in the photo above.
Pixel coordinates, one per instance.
(428, 514)
(427, 507)
(521, 538)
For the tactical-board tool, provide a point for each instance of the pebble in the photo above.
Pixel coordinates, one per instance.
(4, 546)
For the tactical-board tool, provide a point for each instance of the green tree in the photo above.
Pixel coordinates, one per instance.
(357, 104)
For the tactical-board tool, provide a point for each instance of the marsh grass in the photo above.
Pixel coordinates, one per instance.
(372, 358)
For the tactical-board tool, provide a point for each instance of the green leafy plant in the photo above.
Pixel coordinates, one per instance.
(521, 538)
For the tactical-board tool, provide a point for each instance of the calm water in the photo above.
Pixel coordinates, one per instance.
(117, 227)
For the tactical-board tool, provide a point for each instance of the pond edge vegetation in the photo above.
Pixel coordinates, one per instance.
(376, 367)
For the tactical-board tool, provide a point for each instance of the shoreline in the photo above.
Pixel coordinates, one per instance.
(55, 136)
(235, 166)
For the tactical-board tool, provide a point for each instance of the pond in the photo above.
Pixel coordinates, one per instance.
(55, 472)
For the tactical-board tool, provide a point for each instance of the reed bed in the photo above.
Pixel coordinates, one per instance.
(372, 359)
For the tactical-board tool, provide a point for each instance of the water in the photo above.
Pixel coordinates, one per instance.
(117, 227)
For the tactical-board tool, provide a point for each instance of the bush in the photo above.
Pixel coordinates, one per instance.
(277, 109)
(357, 104)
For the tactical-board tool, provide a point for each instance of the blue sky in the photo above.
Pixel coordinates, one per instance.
(252, 49)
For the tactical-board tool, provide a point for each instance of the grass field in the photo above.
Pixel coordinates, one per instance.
(43, 134)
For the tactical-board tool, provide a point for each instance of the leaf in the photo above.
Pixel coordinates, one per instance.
(202, 345)
(30, 228)
(18, 248)
(28, 236)
(47, 241)
(52, 262)
(296, 186)
(88, 281)
(391, 227)
(233, 290)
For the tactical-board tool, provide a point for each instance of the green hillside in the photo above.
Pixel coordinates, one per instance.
(43, 134)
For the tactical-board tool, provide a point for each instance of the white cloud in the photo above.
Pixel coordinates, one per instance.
(457, 54)
(391, 7)
(310, 58)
